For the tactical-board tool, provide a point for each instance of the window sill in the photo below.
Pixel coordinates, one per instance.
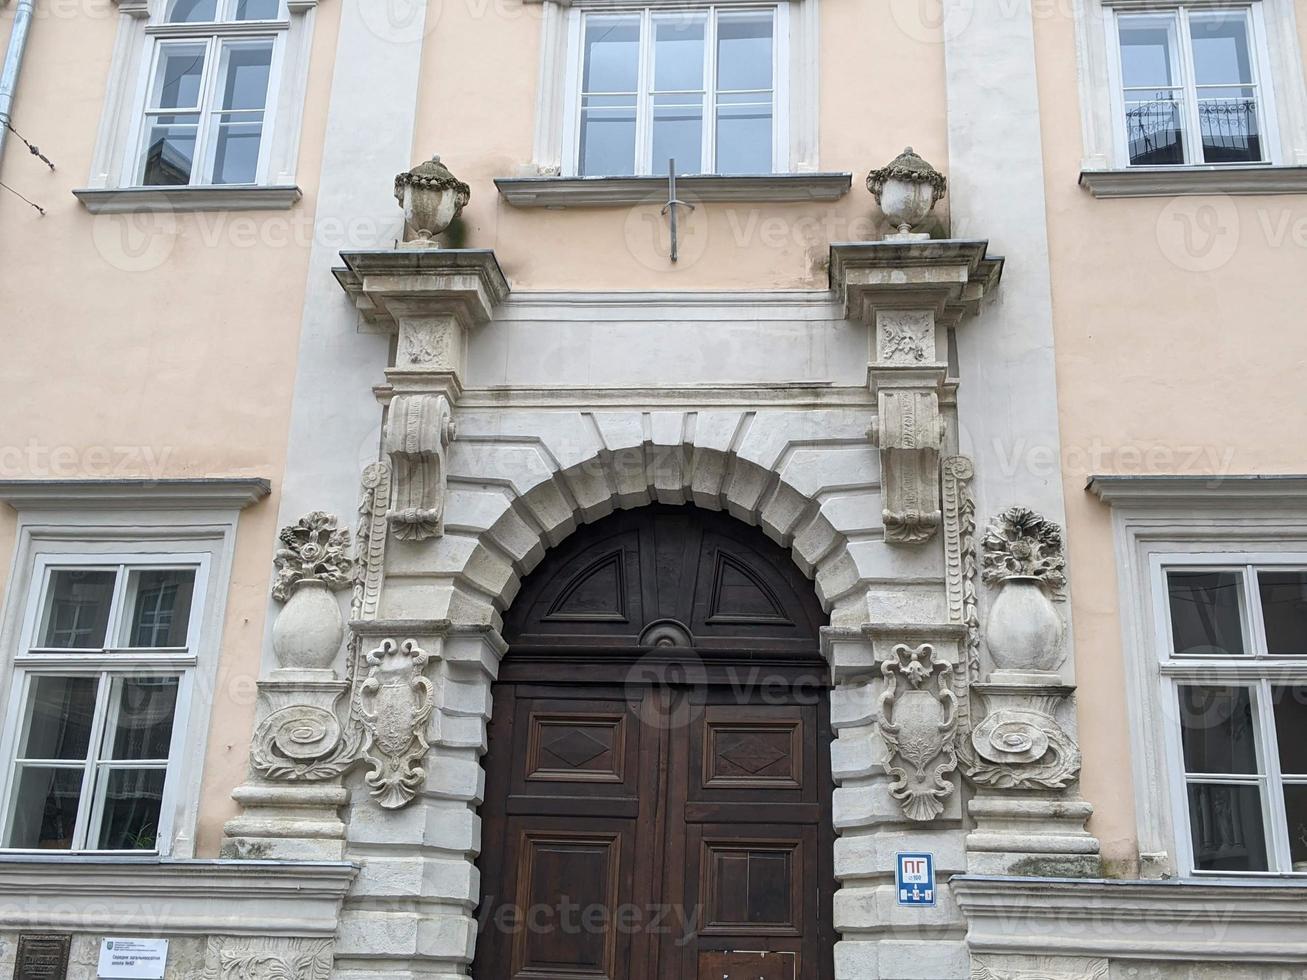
(601, 192)
(1175, 181)
(124, 200)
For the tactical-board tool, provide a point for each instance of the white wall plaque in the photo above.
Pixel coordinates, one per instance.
(133, 959)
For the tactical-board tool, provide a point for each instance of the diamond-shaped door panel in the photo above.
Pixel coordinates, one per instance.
(743, 753)
(576, 748)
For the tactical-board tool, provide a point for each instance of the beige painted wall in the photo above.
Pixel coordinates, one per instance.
(150, 346)
(1169, 361)
(478, 113)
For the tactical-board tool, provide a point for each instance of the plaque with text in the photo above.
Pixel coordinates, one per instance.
(42, 956)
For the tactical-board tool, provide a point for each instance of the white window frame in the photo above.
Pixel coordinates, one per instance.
(1280, 67)
(796, 100)
(1241, 519)
(111, 661)
(1256, 669)
(179, 522)
(645, 165)
(118, 160)
(1259, 56)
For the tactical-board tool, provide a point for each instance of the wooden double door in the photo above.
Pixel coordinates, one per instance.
(657, 804)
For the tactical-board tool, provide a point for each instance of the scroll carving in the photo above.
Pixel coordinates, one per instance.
(960, 554)
(301, 742)
(1022, 748)
(909, 433)
(418, 433)
(394, 704)
(919, 724)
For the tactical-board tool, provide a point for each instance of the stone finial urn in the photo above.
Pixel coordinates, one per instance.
(907, 189)
(432, 198)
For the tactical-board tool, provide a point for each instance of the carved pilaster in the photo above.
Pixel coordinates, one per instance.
(910, 293)
(961, 572)
(1024, 741)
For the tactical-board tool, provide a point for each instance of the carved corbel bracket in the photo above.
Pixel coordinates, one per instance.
(394, 704)
(909, 432)
(919, 724)
(419, 430)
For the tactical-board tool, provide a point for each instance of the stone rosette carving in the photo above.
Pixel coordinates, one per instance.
(394, 704)
(1019, 543)
(919, 724)
(267, 958)
(1021, 748)
(419, 430)
(313, 549)
(301, 742)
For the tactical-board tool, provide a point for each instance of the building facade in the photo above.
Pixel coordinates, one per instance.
(529, 563)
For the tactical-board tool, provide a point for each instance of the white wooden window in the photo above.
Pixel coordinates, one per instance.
(1190, 86)
(703, 85)
(210, 93)
(1232, 640)
(97, 713)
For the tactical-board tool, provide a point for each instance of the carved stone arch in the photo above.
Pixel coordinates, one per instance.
(809, 480)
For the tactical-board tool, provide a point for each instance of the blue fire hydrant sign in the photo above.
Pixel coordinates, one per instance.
(914, 878)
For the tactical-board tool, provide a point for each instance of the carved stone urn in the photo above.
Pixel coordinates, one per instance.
(312, 563)
(309, 631)
(1025, 631)
(1023, 557)
(907, 189)
(432, 198)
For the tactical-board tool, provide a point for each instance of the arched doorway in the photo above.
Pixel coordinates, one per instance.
(658, 777)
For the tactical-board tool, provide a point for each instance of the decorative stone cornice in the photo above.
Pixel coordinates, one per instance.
(1176, 181)
(1174, 921)
(948, 277)
(128, 894)
(1167, 490)
(598, 192)
(184, 494)
(389, 285)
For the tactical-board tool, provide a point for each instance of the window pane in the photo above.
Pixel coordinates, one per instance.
(1220, 48)
(612, 54)
(1216, 726)
(607, 136)
(1284, 611)
(160, 603)
(257, 9)
(1154, 132)
(1228, 832)
(744, 51)
(59, 717)
(744, 135)
(678, 133)
(141, 711)
(192, 11)
(177, 77)
(678, 54)
(245, 75)
(236, 151)
(1227, 120)
(132, 801)
(1291, 728)
(1295, 806)
(77, 610)
(1148, 52)
(1205, 612)
(45, 807)
(170, 150)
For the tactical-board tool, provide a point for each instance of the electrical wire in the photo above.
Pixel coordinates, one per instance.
(34, 150)
(16, 194)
